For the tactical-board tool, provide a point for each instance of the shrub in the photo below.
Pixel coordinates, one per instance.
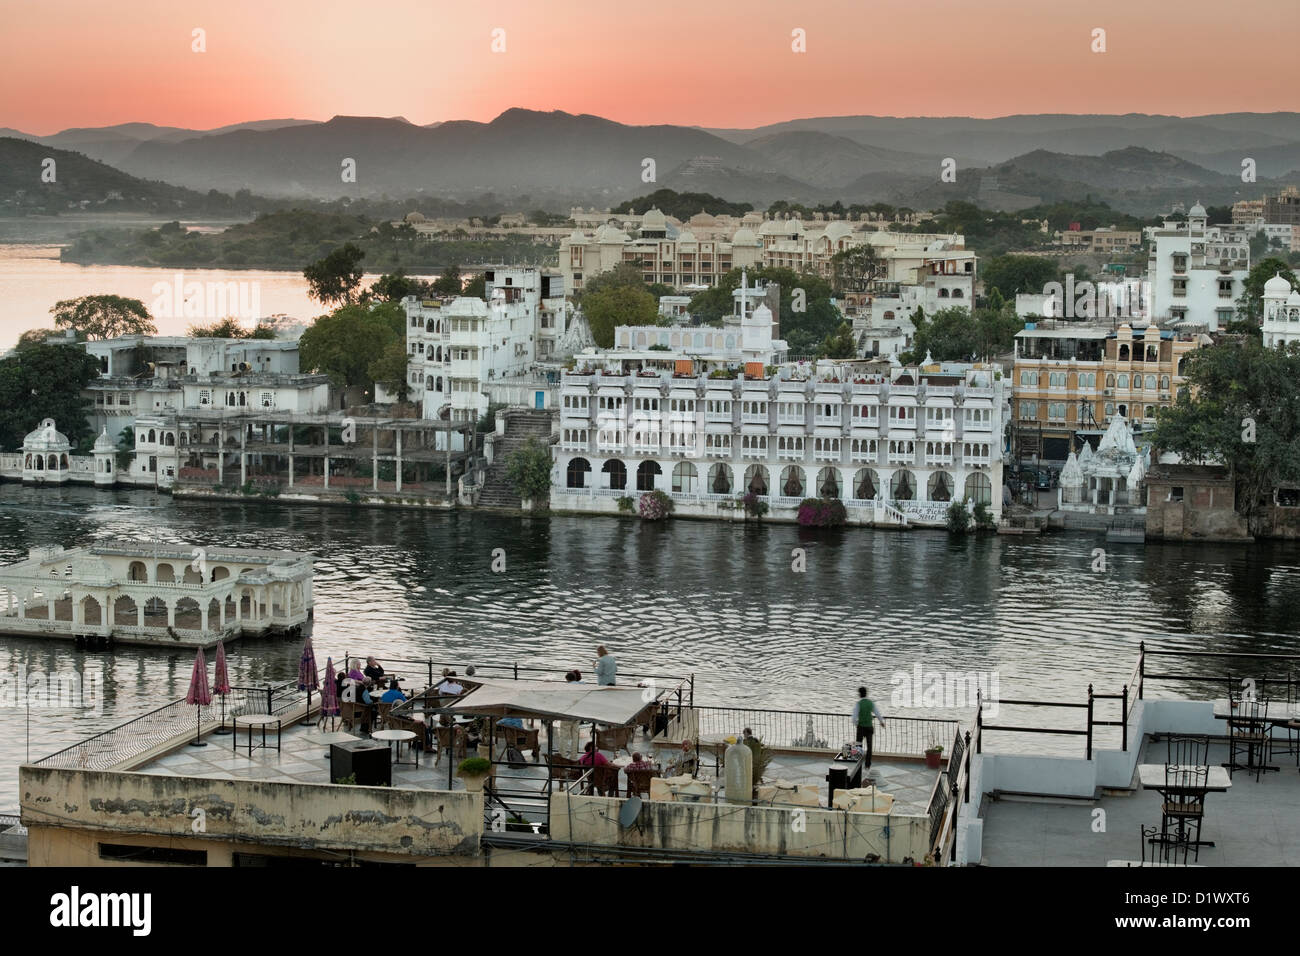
(762, 758)
(755, 507)
(654, 505)
(352, 497)
(958, 517)
(529, 471)
(627, 504)
(474, 767)
(983, 517)
(822, 513)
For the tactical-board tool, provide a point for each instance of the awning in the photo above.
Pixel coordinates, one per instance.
(556, 700)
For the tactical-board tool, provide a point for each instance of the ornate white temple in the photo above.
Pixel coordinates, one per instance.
(1107, 481)
(136, 593)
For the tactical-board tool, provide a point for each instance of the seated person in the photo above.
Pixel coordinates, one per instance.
(638, 763)
(587, 760)
(373, 670)
(365, 692)
(349, 695)
(450, 685)
(472, 738)
(394, 694)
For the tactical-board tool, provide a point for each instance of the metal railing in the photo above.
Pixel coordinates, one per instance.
(171, 721)
(1283, 676)
(902, 736)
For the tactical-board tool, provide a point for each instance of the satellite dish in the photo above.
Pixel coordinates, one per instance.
(630, 812)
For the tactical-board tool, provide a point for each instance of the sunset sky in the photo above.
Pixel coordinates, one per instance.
(67, 63)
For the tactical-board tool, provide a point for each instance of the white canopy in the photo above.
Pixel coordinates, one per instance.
(557, 700)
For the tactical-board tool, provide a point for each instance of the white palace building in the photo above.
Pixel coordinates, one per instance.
(897, 445)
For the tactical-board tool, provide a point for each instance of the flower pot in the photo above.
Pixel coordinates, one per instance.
(933, 758)
(474, 784)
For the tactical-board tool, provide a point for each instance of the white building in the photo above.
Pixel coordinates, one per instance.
(1281, 313)
(896, 448)
(1197, 271)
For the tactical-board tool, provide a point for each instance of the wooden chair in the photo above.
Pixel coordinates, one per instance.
(414, 726)
(521, 738)
(615, 739)
(1248, 733)
(447, 737)
(638, 781)
(563, 769)
(604, 780)
(352, 715)
(382, 711)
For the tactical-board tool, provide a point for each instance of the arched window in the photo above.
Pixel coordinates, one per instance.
(1150, 412)
(52, 463)
(1122, 381)
(1164, 383)
(684, 478)
(828, 483)
(617, 472)
(1123, 353)
(902, 485)
(756, 480)
(720, 479)
(940, 486)
(792, 481)
(645, 475)
(866, 485)
(1110, 380)
(978, 489)
(152, 437)
(1151, 382)
(576, 474)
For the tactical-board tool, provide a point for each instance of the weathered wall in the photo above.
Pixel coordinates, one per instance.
(1206, 513)
(743, 829)
(58, 803)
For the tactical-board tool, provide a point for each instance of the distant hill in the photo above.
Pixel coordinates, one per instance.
(78, 180)
(826, 160)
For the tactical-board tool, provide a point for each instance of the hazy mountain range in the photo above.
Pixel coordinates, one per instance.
(1137, 162)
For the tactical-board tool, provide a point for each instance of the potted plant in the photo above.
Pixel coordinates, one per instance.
(932, 756)
(474, 770)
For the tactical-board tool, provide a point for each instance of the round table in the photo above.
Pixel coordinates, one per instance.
(397, 738)
(252, 721)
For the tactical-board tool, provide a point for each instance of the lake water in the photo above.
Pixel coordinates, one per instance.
(32, 280)
(717, 600)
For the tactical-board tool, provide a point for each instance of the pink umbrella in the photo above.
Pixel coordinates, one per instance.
(307, 679)
(329, 696)
(221, 683)
(199, 695)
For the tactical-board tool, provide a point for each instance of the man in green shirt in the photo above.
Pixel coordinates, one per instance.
(864, 713)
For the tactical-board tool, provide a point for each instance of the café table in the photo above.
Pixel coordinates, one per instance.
(251, 722)
(1223, 710)
(1155, 776)
(396, 738)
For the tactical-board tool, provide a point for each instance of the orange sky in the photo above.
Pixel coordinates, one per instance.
(706, 62)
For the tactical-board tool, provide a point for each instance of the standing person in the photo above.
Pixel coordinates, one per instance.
(865, 712)
(606, 667)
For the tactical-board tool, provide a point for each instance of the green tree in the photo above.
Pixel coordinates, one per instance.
(840, 345)
(624, 275)
(1242, 408)
(230, 328)
(855, 268)
(619, 305)
(449, 283)
(32, 337)
(125, 445)
(336, 279)
(950, 335)
(1251, 304)
(395, 286)
(45, 381)
(528, 470)
(103, 317)
(476, 288)
(1011, 274)
(346, 343)
(389, 370)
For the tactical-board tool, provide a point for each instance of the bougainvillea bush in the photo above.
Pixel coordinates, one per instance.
(655, 505)
(822, 513)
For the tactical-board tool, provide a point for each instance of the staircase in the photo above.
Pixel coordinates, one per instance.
(521, 425)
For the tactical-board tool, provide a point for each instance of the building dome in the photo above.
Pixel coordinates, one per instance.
(744, 237)
(415, 217)
(46, 438)
(610, 233)
(1197, 212)
(686, 236)
(103, 443)
(653, 219)
(1277, 286)
(838, 230)
(1293, 300)
(702, 218)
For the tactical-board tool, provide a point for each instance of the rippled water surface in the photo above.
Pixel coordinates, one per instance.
(719, 601)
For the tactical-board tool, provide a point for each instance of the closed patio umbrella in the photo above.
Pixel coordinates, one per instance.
(221, 683)
(307, 679)
(329, 697)
(199, 695)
